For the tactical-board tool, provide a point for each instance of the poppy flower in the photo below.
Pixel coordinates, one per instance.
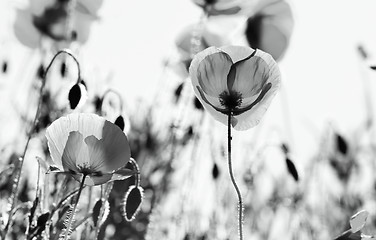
(235, 80)
(269, 28)
(49, 18)
(216, 7)
(265, 24)
(87, 144)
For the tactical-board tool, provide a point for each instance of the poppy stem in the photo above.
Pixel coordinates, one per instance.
(68, 229)
(135, 166)
(16, 180)
(240, 200)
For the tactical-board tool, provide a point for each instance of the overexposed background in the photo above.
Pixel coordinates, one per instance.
(324, 77)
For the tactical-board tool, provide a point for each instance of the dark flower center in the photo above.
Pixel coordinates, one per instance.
(231, 100)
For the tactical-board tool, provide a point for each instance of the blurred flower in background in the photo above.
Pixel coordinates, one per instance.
(55, 20)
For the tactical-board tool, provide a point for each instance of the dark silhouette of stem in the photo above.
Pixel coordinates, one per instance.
(240, 201)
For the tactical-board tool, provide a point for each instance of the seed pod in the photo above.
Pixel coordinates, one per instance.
(77, 95)
(120, 122)
(292, 169)
(132, 203)
(342, 145)
(215, 171)
(197, 104)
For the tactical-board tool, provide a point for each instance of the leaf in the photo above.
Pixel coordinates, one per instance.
(120, 122)
(74, 96)
(348, 235)
(342, 145)
(292, 169)
(358, 220)
(132, 203)
(215, 171)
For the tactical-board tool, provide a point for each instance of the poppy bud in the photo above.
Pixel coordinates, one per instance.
(197, 104)
(215, 171)
(132, 203)
(178, 91)
(63, 69)
(285, 148)
(342, 146)
(97, 210)
(4, 67)
(292, 169)
(120, 122)
(40, 72)
(76, 95)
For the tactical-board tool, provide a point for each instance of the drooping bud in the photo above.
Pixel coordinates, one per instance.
(120, 122)
(292, 169)
(132, 203)
(77, 95)
(4, 67)
(63, 69)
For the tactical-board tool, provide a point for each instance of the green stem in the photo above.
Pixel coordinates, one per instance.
(71, 217)
(240, 201)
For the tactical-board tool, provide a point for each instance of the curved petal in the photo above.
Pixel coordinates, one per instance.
(254, 73)
(116, 148)
(212, 73)
(205, 74)
(57, 133)
(74, 152)
(97, 154)
(237, 53)
(252, 117)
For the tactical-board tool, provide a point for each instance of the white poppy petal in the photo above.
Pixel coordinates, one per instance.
(254, 73)
(252, 117)
(96, 153)
(73, 152)
(198, 58)
(57, 133)
(237, 53)
(117, 150)
(212, 73)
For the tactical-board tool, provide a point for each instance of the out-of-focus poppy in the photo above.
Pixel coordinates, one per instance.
(51, 19)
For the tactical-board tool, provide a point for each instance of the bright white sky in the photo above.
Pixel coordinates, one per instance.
(322, 73)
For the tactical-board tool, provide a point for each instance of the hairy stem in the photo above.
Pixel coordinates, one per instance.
(16, 180)
(71, 217)
(240, 201)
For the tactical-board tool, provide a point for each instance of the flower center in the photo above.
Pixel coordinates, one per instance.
(230, 100)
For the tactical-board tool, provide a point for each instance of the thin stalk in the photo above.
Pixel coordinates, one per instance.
(71, 218)
(135, 167)
(15, 185)
(104, 198)
(240, 200)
